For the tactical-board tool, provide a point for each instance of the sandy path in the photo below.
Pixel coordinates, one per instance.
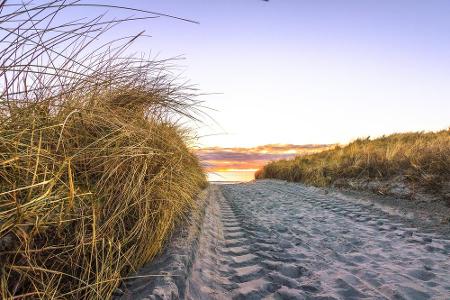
(277, 240)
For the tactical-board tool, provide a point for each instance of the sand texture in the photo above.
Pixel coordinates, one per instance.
(275, 240)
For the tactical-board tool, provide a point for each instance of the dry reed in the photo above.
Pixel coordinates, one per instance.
(94, 170)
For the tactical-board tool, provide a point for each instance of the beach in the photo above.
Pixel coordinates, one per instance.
(271, 239)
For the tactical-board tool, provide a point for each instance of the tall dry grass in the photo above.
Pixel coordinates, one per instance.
(421, 158)
(94, 170)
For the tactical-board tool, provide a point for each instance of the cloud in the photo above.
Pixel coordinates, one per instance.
(217, 159)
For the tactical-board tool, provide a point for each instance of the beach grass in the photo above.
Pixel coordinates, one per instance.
(95, 169)
(421, 159)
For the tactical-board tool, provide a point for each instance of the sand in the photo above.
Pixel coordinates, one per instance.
(276, 240)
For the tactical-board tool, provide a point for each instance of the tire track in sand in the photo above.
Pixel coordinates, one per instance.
(237, 260)
(275, 240)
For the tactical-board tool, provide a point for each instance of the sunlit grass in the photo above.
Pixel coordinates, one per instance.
(421, 158)
(94, 172)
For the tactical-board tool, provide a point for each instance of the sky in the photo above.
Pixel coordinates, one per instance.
(292, 72)
(302, 72)
(306, 72)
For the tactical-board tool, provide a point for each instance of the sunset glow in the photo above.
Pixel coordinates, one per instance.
(240, 164)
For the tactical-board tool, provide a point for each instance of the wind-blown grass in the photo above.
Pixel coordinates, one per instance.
(421, 159)
(94, 170)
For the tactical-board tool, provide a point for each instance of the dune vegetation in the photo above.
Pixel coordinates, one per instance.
(95, 170)
(420, 160)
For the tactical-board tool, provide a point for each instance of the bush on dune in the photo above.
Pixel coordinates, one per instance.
(94, 170)
(420, 158)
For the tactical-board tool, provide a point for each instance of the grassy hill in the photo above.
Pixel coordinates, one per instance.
(419, 161)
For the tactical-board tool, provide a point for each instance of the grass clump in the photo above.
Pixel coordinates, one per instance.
(94, 169)
(421, 159)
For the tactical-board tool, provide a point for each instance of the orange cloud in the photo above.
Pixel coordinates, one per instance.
(217, 159)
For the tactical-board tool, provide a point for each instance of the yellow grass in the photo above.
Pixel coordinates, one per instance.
(421, 158)
(94, 170)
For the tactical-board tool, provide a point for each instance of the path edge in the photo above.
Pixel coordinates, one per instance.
(165, 277)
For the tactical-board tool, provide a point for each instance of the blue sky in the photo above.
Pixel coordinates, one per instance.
(303, 72)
